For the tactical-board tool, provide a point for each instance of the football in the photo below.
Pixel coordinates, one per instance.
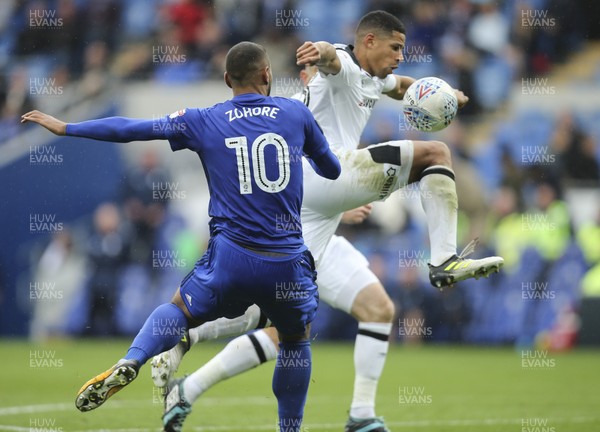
(430, 104)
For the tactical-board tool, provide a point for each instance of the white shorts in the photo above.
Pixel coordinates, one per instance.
(361, 182)
(342, 273)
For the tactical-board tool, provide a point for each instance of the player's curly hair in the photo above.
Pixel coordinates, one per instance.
(379, 22)
(244, 59)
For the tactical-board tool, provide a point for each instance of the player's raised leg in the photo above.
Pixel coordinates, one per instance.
(165, 365)
(432, 167)
(161, 331)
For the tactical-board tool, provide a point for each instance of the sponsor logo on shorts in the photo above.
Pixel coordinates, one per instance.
(391, 175)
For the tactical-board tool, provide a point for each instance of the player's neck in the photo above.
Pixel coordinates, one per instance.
(261, 90)
(361, 56)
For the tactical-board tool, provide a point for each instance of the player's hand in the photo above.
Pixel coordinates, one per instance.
(461, 98)
(358, 215)
(54, 125)
(308, 54)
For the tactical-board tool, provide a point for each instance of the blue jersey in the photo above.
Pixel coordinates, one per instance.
(251, 149)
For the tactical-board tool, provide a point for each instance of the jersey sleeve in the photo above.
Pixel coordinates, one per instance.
(347, 74)
(178, 129)
(116, 129)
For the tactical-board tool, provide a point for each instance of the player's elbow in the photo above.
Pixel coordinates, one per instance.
(334, 170)
(337, 172)
(327, 166)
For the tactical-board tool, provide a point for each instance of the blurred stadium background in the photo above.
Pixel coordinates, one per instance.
(95, 235)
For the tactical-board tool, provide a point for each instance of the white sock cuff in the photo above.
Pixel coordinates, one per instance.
(227, 327)
(264, 346)
(367, 328)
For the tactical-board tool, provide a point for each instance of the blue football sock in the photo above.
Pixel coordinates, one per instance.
(161, 331)
(290, 383)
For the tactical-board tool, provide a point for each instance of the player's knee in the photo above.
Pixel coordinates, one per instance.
(387, 311)
(297, 337)
(377, 309)
(439, 154)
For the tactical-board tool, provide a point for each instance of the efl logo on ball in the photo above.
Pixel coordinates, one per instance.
(430, 104)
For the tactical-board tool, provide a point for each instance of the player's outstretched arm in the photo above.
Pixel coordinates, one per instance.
(403, 82)
(54, 125)
(320, 54)
(115, 129)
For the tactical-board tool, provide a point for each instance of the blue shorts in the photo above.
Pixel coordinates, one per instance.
(229, 278)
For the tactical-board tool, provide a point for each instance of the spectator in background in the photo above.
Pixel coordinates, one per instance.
(95, 76)
(146, 197)
(587, 238)
(488, 33)
(576, 151)
(427, 27)
(188, 17)
(15, 97)
(505, 227)
(58, 280)
(548, 222)
(102, 20)
(106, 251)
(67, 49)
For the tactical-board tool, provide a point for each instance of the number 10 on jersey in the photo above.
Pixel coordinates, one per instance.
(240, 144)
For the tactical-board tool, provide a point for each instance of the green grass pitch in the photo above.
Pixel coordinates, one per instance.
(429, 388)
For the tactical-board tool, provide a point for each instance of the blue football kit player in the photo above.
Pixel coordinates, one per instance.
(247, 147)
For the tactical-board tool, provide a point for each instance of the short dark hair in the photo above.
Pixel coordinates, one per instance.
(379, 22)
(244, 59)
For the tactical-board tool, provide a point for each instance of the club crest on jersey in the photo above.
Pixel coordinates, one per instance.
(177, 113)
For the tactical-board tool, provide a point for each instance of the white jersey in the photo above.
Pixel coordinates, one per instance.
(342, 103)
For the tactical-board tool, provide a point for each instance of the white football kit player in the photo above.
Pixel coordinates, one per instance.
(342, 105)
